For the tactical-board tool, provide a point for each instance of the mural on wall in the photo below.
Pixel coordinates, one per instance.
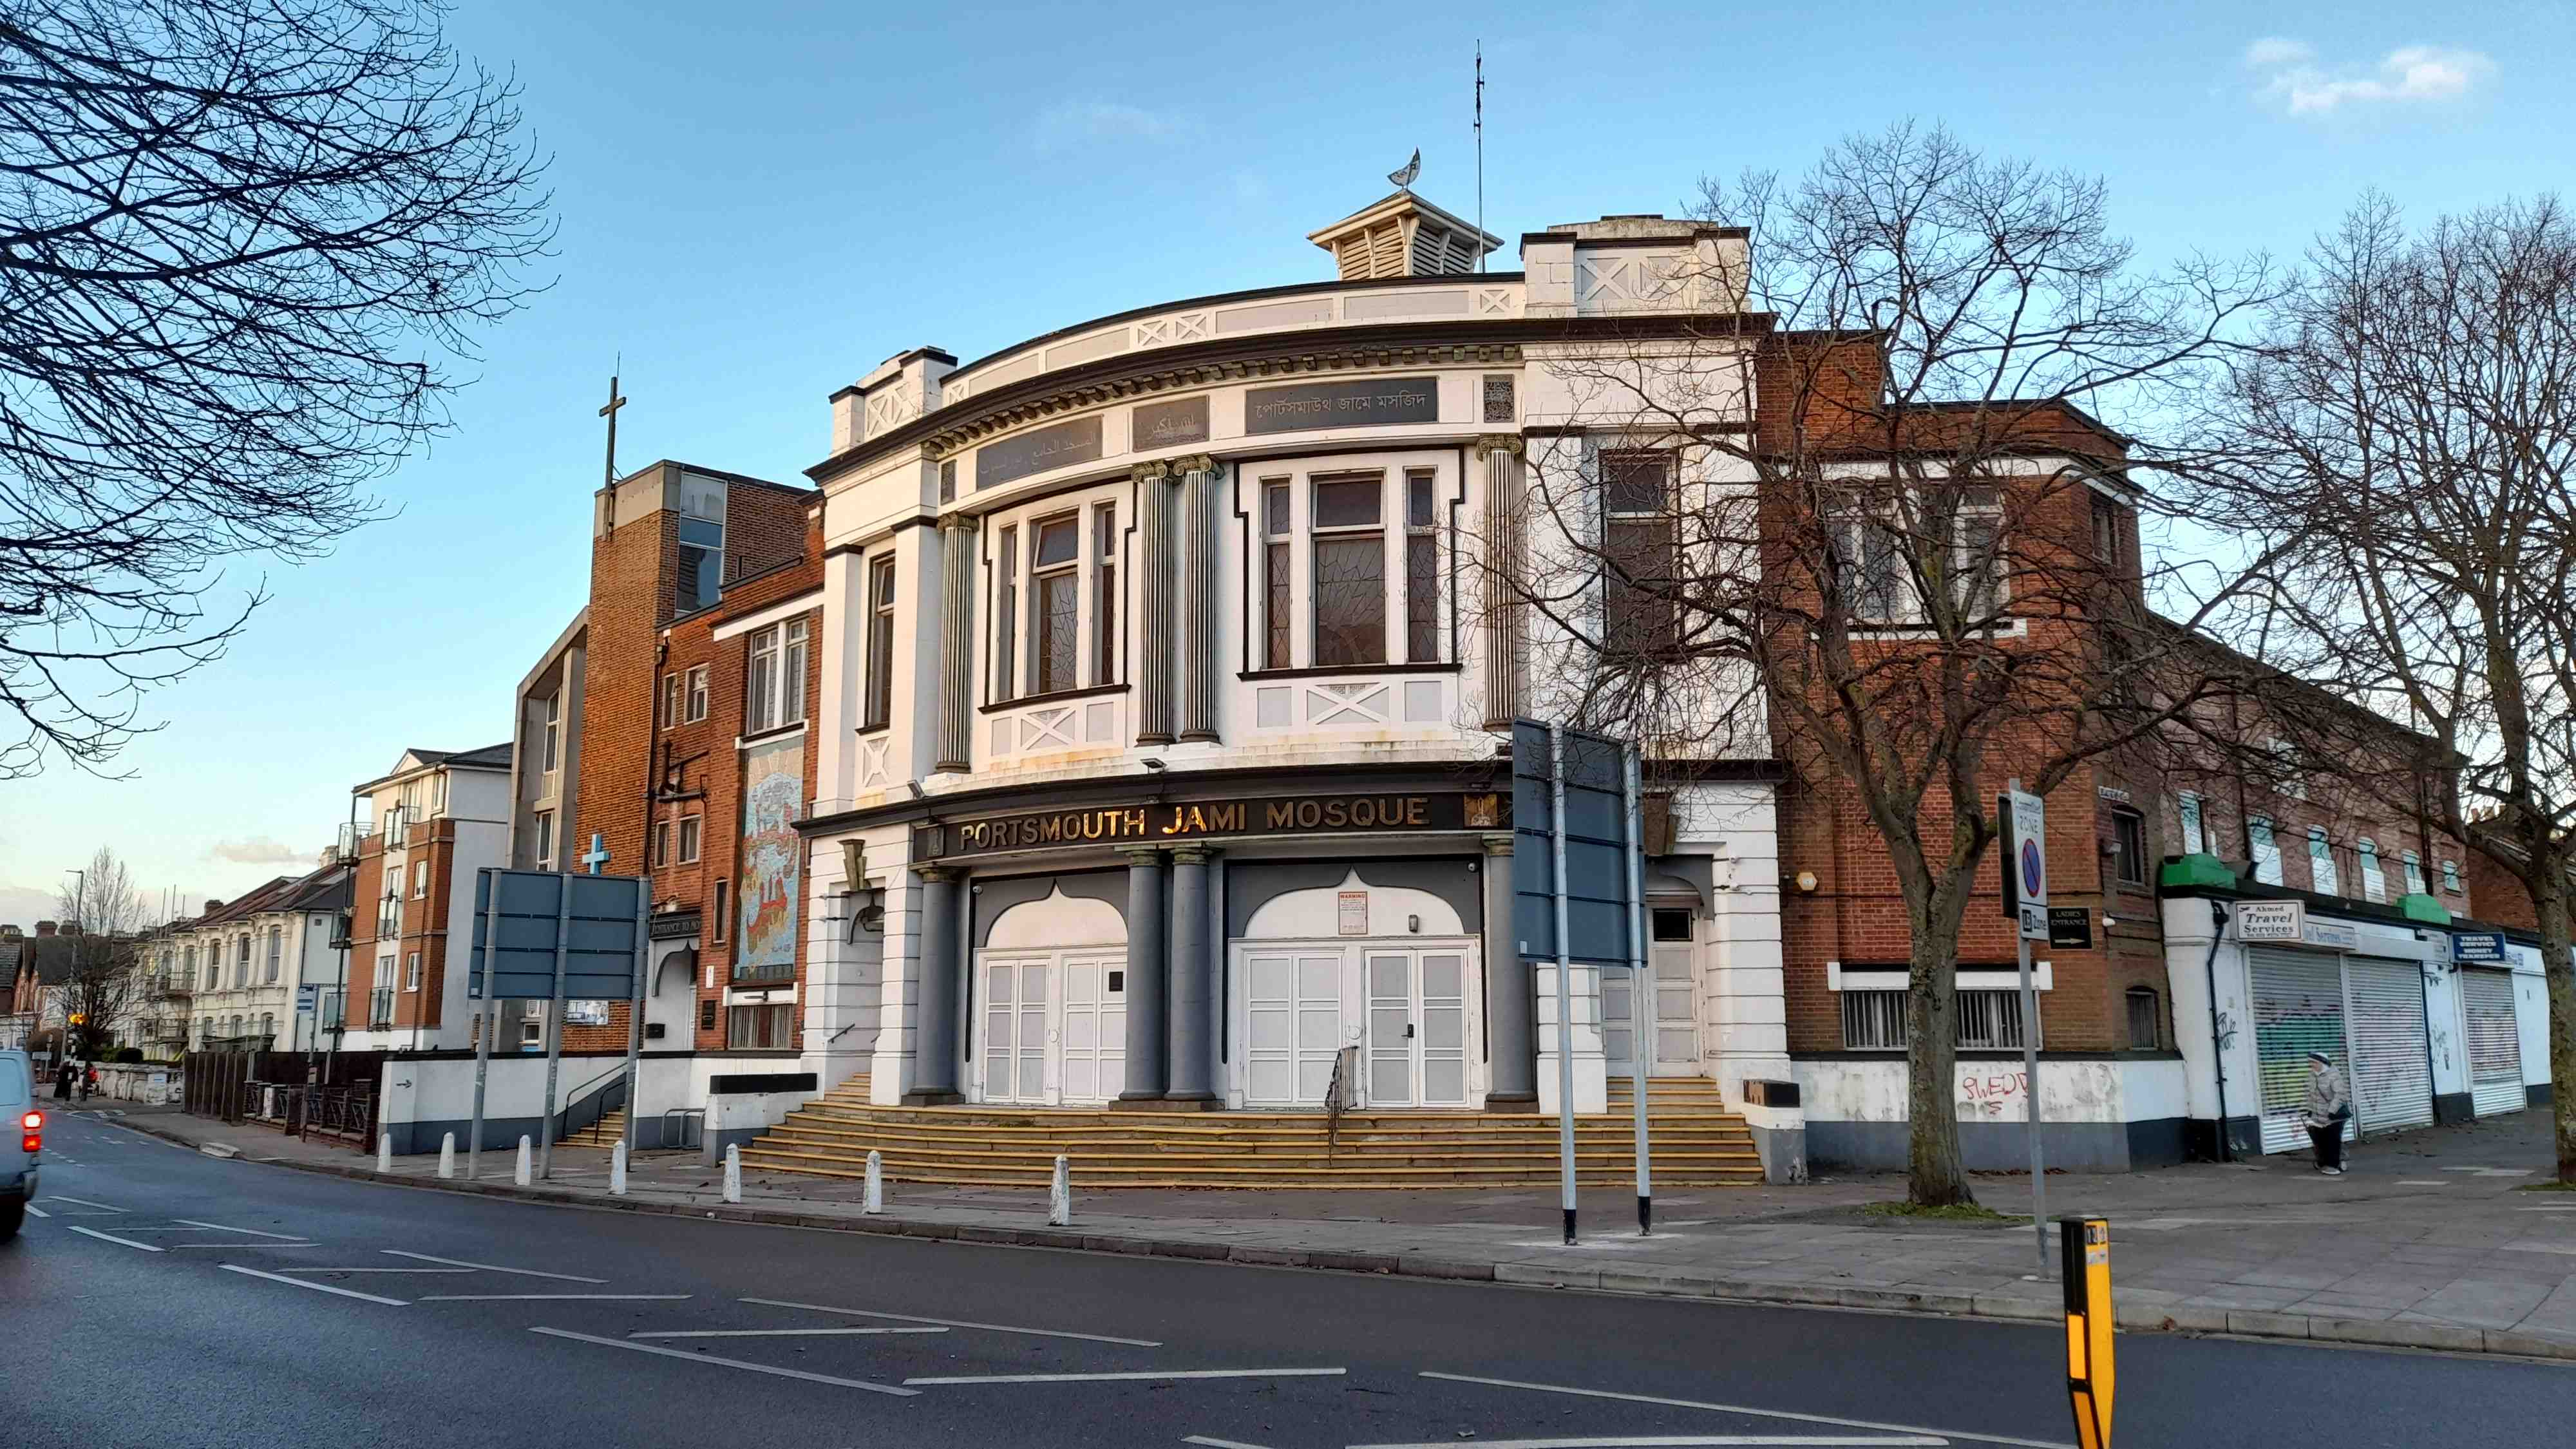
(773, 791)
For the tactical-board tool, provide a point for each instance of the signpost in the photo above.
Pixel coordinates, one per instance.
(2025, 875)
(549, 935)
(1576, 899)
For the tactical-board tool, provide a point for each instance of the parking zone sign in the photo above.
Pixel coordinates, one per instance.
(2025, 864)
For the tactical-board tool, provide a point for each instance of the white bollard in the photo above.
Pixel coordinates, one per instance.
(617, 1169)
(874, 1202)
(526, 1165)
(733, 1172)
(384, 1152)
(447, 1155)
(1060, 1195)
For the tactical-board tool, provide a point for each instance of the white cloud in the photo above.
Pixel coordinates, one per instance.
(1074, 124)
(258, 850)
(2289, 75)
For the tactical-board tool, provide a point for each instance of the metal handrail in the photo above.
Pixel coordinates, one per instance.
(1337, 1096)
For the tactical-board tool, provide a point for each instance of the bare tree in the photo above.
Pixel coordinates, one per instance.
(105, 915)
(2414, 422)
(1862, 512)
(237, 239)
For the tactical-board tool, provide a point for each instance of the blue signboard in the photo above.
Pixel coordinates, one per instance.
(2484, 948)
(1596, 847)
(602, 931)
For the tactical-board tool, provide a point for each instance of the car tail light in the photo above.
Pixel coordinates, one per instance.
(33, 1124)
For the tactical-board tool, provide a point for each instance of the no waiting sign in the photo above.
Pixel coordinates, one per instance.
(2025, 864)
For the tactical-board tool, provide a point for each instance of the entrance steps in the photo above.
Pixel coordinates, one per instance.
(608, 1131)
(1696, 1141)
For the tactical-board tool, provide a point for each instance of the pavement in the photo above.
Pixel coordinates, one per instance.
(162, 1296)
(2426, 1242)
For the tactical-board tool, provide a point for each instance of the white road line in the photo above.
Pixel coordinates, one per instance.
(1151, 1374)
(84, 1202)
(244, 1247)
(380, 1269)
(40, 1212)
(1228, 1443)
(1643, 1441)
(552, 1297)
(113, 1238)
(491, 1267)
(1742, 1409)
(758, 1368)
(316, 1287)
(777, 1332)
(254, 1232)
(957, 1323)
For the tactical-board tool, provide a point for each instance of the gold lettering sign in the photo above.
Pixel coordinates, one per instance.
(1201, 819)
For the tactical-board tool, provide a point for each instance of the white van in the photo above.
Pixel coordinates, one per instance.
(18, 1143)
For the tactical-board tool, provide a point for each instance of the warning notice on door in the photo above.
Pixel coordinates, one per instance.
(1354, 914)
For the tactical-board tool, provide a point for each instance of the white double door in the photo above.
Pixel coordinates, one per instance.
(1053, 1026)
(1673, 980)
(1403, 1010)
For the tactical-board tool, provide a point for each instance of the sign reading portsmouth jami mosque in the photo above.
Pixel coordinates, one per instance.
(1357, 403)
(1169, 424)
(1179, 820)
(1058, 445)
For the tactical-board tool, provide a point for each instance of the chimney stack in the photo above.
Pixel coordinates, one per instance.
(44, 928)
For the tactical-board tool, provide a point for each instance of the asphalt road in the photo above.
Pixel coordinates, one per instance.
(175, 1300)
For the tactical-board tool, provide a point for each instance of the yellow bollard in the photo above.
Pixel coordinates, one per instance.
(2084, 1246)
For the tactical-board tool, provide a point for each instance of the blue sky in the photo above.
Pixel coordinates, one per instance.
(760, 201)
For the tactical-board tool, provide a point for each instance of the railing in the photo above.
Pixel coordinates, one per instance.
(591, 1101)
(1337, 1098)
(343, 1113)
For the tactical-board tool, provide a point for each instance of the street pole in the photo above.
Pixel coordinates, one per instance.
(485, 1025)
(1641, 1016)
(554, 1027)
(641, 959)
(2030, 1063)
(1564, 990)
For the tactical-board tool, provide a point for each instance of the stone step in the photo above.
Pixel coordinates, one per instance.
(1182, 1175)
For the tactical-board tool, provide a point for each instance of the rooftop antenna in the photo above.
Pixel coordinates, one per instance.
(1480, 157)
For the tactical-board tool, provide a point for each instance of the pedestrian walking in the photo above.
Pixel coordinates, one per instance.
(63, 1080)
(88, 1082)
(2327, 1109)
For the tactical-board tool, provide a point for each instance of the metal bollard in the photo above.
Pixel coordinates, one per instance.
(733, 1172)
(617, 1169)
(384, 1152)
(1060, 1195)
(874, 1201)
(520, 1173)
(447, 1155)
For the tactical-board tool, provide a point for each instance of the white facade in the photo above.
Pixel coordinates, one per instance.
(236, 971)
(1213, 810)
(431, 825)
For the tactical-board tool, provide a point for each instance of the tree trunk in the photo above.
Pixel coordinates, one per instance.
(1933, 1172)
(2558, 967)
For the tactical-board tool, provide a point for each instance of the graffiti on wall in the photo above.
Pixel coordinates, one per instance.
(773, 789)
(1987, 1094)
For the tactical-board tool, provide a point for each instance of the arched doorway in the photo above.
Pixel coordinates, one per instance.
(1399, 1000)
(1051, 1018)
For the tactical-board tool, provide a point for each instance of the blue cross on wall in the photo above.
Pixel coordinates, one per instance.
(598, 855)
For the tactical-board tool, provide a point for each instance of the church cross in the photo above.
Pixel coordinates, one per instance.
(597, 855)
(610, 412)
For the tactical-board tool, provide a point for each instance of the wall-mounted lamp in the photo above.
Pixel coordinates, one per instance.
(1150, 763)
(1806, 880)
(867, 914)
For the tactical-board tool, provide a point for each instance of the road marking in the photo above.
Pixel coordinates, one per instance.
(1278, 1373)
(244, 1247)
(758, 1368)
(379, 1270)
(958, 1323)
(1225, 1443)
(113, 1238)
(40, 1212)
(84, 1202)
(1742, 1409)
(1642, 1441)
(552, 1297)
(254, 1232)
(316, 1287)
(2540, 1248)
(491, 1267)
(2419, 1182)
(777, 1332)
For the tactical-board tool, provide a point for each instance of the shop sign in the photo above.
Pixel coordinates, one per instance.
(1183, 820)
(2482, 947)
(2271, 920)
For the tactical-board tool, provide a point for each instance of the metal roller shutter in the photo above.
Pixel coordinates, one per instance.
(2298, 1008)
(2495, 1043)
(2392, 1061)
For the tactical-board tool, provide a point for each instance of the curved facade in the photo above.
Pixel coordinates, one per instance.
(1162, 698)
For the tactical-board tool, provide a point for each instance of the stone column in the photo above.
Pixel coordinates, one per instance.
(1193, 981)
(1147, 972)
(1154, 631)
(1511, 1041)
(956, 642)
(934, 1009)
(1198, 633)
(1506, 640)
